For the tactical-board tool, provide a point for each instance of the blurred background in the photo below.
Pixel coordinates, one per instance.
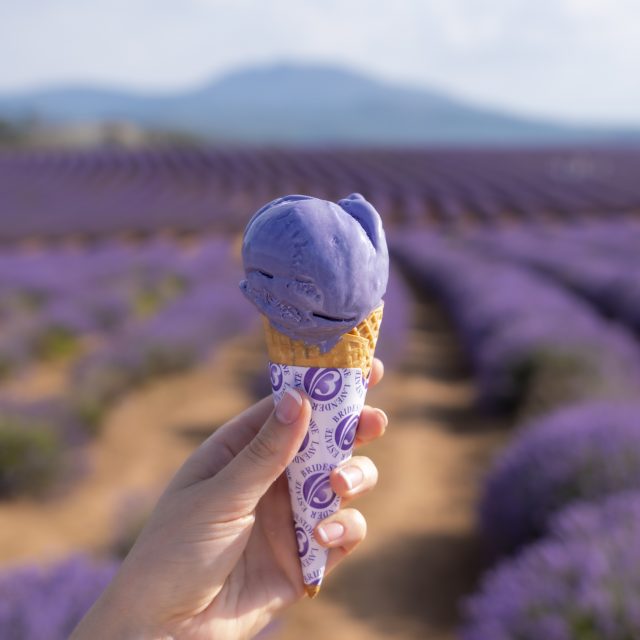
(500, 142)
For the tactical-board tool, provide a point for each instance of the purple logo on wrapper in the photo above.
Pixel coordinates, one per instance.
(339, 437)
(275, 372)
(303, 542)
(317, 491)
(322, 384)
(307, 547)
(345, 433)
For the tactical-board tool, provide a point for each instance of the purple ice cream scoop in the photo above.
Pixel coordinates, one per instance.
(315, 268)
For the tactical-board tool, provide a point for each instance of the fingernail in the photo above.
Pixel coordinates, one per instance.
(330, 532)
(383, 415)
(288, 408)
(352, 476)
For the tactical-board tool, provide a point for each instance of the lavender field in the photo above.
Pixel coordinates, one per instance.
(510, 338)
(193, 190)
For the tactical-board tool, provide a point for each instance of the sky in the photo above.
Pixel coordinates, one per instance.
(572, 60)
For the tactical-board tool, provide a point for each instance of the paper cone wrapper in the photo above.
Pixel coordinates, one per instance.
(336, 384)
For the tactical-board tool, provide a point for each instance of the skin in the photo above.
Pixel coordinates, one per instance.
(218, 556)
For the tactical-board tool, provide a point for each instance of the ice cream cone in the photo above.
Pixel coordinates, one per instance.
(310, 265)
(336, 383)
(353, 351)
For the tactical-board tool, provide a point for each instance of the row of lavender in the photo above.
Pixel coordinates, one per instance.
(599, 262)
(51, 298)
(56, 194)
(563, 498)
(520, 329)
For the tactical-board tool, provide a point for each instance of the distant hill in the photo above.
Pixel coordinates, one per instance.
(286, 104)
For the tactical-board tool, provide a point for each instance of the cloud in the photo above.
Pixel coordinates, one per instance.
(574, 59)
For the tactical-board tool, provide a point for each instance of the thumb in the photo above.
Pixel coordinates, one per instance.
(250, 474)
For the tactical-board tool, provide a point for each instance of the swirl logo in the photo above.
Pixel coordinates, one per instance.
(345, 434)
(317, 491)
(322, 384)
(277, 378)
(303, 542)
(305, 443)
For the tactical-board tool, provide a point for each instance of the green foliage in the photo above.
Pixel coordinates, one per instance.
(30, 456)
(150, 299)
(56, 343)
(550, 379)
(94, 393)
(6, 366)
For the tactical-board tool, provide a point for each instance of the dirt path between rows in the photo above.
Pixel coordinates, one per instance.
(421, 554)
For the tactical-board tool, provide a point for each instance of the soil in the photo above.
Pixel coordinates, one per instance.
(422, 554)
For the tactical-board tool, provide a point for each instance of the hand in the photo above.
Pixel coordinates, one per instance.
(218, 556)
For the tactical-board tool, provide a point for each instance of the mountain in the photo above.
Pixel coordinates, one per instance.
(288, 104)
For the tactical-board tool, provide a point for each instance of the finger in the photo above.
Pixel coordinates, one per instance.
(354, 477)
(250, 474)
(341, 533)
(372, 424)
(377, 372)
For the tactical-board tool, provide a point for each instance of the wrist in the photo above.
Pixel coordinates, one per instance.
(113, 616)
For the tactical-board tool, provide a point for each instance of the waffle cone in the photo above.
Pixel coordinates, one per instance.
(353, 351)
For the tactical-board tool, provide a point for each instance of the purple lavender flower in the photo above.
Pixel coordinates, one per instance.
(587, 521)
(513, 321)
(600, 263)
(581, 583)
(583, 452)
(46, 603)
